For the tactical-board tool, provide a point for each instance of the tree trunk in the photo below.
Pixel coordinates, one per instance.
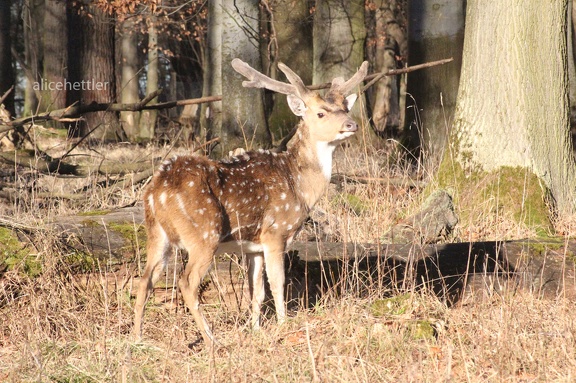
(129, 85)
(55, 55)
(97, 80)
(148, 119)
(339, 35)
(6, 70)
(243, 120)
(386, 41)
(211, 113)
(291, 29)
(33, 30)
(512, 109)
(436, 31)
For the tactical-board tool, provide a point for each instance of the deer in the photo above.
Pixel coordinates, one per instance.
(253, 203)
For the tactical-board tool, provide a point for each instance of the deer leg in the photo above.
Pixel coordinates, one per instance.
(157, 251)
(198, 264)
(256, 286)
(274, 259)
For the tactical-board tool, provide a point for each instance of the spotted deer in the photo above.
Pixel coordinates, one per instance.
(253, 203)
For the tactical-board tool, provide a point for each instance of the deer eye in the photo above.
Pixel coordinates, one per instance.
(320, 115)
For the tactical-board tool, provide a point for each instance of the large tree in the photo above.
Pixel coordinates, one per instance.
(512, 113)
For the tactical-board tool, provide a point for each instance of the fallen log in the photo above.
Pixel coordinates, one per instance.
(545, 267)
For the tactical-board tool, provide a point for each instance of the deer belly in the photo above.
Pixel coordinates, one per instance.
(239, 246)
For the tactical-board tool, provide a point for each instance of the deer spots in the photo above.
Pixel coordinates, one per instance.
(163, 197)
(151, 203)
(286, 207)
(283, 196)
(191, 184)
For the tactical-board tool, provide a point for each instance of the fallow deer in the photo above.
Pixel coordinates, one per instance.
(252, 203)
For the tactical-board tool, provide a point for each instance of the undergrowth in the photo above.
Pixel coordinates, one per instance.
(71, 323)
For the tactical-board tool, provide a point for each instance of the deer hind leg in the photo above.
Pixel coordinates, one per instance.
(256, 286)
(157, 252)
(199, 261)
(274, 260)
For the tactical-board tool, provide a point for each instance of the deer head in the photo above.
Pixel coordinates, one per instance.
(253, 203)
(317, 112)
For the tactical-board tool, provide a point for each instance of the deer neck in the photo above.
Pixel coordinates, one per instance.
(312, 161)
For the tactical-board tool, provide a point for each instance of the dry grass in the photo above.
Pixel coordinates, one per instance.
(65, 327)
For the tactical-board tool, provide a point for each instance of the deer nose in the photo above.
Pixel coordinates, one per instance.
(350, 126)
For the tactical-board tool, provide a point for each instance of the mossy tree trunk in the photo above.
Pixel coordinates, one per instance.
(512, 111)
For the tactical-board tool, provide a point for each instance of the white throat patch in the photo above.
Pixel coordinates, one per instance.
(324, 151)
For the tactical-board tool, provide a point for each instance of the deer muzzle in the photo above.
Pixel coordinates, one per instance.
(349, 126)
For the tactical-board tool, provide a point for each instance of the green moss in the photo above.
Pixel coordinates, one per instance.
(396, 305)
(16, 256)
(510, 192)
(93, 213)
(127, 231)
(352, 202)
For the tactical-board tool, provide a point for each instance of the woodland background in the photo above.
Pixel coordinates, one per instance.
(383, 285)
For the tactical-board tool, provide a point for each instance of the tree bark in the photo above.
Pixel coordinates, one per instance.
(33, 30)
(7, 79)
(129, 82)
(290, 44)
(148, 118)
(55, 54)
(97, 75)
(339, 35)
(436, 30)
(512, 108)
(243, 120)
(211, 114)
(386, 41)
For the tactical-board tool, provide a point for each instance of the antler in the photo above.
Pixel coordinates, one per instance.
(296, 85)
(258, 80)
(344, 88)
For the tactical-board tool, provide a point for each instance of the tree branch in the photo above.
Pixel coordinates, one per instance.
(76, 110)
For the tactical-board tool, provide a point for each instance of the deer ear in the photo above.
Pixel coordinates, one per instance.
(350, 100)
(297, 105)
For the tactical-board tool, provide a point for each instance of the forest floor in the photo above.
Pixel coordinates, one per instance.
(67, 317)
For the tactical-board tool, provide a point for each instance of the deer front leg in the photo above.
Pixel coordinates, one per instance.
(274, 259)
(256, 286)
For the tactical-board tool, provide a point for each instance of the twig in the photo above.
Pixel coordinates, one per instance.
(372, 78)
(6, 94)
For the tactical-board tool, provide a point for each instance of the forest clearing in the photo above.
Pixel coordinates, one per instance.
(441, 249)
